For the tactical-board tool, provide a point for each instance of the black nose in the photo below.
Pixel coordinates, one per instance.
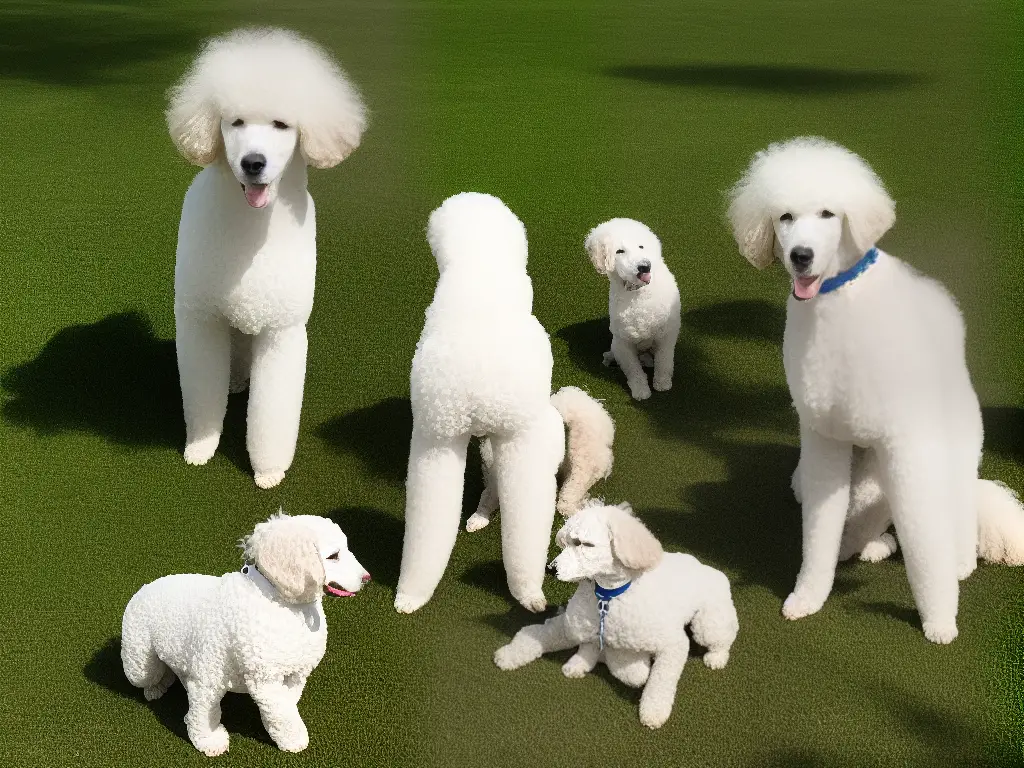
(801, 256)
(643, 267)
(253, 164)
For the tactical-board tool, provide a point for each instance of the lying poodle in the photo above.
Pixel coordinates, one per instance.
(256, 108)
(643, 302)
(482, 367)
(260, 631)
(590, 431)
(633, 602)
(874, 358)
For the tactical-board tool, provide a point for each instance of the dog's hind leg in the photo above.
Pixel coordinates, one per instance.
(583, 661)
(489, 497)
(275, 401)
(526, 465)
(433, 506)
(629, 667)
(202, 721)
(664, 360)
(203, 346)
(241, 361)
(143, 667)
(279, 711)
(715, 627)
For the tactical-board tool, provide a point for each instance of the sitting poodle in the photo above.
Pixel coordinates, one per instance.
(874, 358)
(590, 431)
(260, 631)
(256, 108)
(643, 302)
(482, 367)
(633, 603)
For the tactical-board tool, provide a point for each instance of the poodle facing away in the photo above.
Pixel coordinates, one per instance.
(890, 425)
(256, 107)
(643, 302)
(590, 432)
(633, 603)
(260, 631)
(482, 368)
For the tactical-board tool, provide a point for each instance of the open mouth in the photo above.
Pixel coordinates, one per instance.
(805, 288)
(337, 591)
(257, 195)
(644, 277)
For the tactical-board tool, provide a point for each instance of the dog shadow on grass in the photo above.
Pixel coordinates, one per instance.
(113, 378)
(375, 538)
(239, 713)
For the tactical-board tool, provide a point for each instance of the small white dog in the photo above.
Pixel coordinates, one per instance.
(256, 108)
(482, 367)
(260, 631)
(590, 432)
(874, 358)
(633, 602)
(643, 302)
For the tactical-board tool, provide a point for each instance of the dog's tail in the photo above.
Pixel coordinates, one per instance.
(1000, 524)
(589, 435)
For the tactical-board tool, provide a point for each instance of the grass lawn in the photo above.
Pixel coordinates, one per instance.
(573, 113)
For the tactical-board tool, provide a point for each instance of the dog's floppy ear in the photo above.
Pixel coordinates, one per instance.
(599, 247)
(870, 213)
(194, 124)
(633, 545)
(751, 224)
(562, 536)
(332, 130)
(285, 552)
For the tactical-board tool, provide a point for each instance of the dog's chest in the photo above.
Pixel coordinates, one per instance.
(627, 625)
(637, 316)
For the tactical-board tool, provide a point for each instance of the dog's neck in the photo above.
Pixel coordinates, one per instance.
(251, 572)
(612, 582)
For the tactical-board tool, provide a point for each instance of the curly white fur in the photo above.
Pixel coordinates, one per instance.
(261, 632)
(590, 432)
(482, 367)
(878, 364)
(643, 302)
(255, 108)
(645, 629)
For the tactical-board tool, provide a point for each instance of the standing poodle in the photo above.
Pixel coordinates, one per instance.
(874, 359)
(260, 631)
(256, 107)
(482, 367)
(633, 603)
(589, 435)
(643, 302)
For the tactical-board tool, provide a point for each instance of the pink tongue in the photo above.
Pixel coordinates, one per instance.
(338, 592)
(644, 277)
(257, 195)
(806, 287)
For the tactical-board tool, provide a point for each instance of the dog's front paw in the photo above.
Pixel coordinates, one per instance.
(799, 605)
(509, 657)
(654, 712)
(879, 549)
(405, 603)
(201, 450)
(535, 603)
(716, 659)
(213, 743)
(266, 480)
(294, 741)
(663, 383)
(575, 667)
(639, 390)
(941, 632)
(477, 521)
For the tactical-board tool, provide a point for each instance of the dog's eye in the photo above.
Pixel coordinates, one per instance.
(238, 122)
(334, 556)
(621, 250)
(641, 247)
(827, 214)
(280, 126)
(586, 544)
(786, 217)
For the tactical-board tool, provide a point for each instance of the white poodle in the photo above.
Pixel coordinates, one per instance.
(633, 602)
(256, 108)
(260, 631)
(643, 302)
(874, 358)
(590, 432)
(482, 367)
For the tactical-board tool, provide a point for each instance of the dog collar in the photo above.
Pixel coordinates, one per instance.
(250, 571)
(837, 282)
(604, 603)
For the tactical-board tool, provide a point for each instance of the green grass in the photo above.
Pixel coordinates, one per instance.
(572, 113)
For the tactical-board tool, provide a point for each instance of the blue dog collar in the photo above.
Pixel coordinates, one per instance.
(604, 602)
(837, 282)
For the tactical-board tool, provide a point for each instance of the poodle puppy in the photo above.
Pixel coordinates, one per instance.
(260, 631)
(256, 107)
(633, 603)
(643, 302)
(589, 434)
(874, 359)
(482, 368)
